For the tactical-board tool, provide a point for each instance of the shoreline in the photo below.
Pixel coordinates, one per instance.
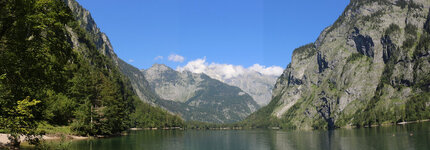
(49, 137)
(385, 124)
(53, 137)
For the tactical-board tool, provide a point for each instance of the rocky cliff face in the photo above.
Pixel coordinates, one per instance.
(199, 97)
(100, 39)
(140, 85)
(370, 67)
(257, 85)
(172, 85)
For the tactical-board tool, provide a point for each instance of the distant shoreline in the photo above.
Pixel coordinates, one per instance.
(387, 124)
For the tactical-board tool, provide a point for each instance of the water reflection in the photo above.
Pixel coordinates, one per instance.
(414, 136)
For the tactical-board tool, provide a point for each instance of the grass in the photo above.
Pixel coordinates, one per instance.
(46, 128)
(354, 56)
(50, 129)
(3, 131)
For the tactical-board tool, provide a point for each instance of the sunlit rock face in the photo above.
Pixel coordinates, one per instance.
(370, 67)
(258, 85)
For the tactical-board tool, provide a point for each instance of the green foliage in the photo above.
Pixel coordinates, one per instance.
(411, 29)
(374, 17)
(392, 29)
(20, 120)
(59, 108)
(79, 91)
(46, 128)
(103, 107)
(417, 108)
(57, 145)
(408, 43)
(207, 126)
(427, 24)
(402, 3)
(147, 116)
(411, 36)
(354, 57)
(319, 123)
(363, 2)
(308, 49)
(411, 4)
(262, 118)
(423, 45)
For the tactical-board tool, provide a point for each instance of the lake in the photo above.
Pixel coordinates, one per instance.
(410, 136)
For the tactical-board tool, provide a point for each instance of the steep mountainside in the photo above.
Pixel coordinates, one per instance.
(145, 115)
(257, 85)
(102, 43)
(139, 82)
(199, 97)
(370, 67)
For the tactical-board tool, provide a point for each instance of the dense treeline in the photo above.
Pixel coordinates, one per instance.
(44, 78)
(148, 116)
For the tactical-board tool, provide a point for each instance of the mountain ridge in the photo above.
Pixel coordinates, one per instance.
(370, 67)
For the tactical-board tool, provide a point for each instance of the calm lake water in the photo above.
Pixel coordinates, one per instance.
(411, 136)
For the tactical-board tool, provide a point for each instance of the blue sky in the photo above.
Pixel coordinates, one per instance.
(238, 32)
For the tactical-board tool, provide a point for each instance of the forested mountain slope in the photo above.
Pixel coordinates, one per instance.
(56, 67)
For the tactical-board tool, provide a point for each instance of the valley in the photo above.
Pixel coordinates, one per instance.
(60, 75)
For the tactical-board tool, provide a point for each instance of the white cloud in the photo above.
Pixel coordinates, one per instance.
(227, 71)
(196, 66)
(130, 60)
(176, 58)
(271, 71)
(159, 58)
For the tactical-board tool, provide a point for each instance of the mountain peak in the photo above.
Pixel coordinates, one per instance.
(159, 68)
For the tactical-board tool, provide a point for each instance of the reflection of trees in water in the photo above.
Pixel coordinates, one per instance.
(392, 137)
(411, 136)
(299, 140)
(221, 139)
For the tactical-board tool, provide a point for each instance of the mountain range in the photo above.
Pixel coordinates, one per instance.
(198, 96)
(256, 80)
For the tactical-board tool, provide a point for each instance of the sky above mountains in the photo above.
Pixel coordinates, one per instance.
(251, 34)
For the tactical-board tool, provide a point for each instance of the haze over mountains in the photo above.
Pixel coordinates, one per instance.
(256, 80)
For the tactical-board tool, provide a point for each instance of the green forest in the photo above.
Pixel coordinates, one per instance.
(45, 81)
